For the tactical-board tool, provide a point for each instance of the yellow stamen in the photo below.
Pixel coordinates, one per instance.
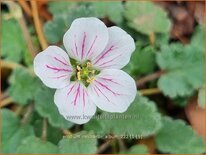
(79, 68)
(89, 64)
(79, 76)
(90, 79)
(93, 71)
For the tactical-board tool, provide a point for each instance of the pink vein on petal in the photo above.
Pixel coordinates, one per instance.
(109, 79)
(104, 63)
(65, 59)
(103, 54)
(83, 45)
(70, 90)
(75, 45)
(72, 51)
(112, 65)
(62, 62)
(83, 97)
(92, 45)
(95, 91)
(58, 69)
(102, 93)
(58, 77)
(77, 94)
(104, 86)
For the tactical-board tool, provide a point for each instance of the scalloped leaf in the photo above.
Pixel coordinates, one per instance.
(13, 44)
(79, 143)
(184, 67)
(138, 65)
(140, 120)
(13, 131)
(146, 17)
(34, 145)
(137, 149)
(201, 98)
(55, 7)
(198, 38)
(23, 86)
(178, 138)
(55, 29)
(112, 10)
(44, 105)
(53, 134)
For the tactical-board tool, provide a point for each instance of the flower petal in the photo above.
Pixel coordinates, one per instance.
(53, 67)
(74, 103)
(112, 90)
(118, 50)
(86, 38)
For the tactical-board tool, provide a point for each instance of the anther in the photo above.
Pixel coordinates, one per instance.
(79, 68)
(90, 79)
(79, 76)
(89, 64)
(93, 71)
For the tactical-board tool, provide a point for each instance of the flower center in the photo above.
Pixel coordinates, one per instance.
(85, 73)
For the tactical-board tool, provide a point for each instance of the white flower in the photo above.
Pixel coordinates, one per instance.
(89, 74)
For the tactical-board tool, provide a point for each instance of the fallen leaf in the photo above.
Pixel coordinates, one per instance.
(196, 117)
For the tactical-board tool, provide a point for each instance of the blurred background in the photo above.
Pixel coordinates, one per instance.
(168, 66)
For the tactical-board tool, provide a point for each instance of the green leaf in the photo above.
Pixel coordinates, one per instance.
(60, 7)
(96, 126)
(137, 149)
(147, 18)
(178, 138)
(80, 143)
(23, 85)
(181, 101)
(184, 67)
(55, 29)
(13, 131)
(201, 98)
(53, 134)
(140, 120)
(13, 44)
(198, 38)
(34, 145)
(27, 57)
(142, 61)
(112, 10)
(44, 105)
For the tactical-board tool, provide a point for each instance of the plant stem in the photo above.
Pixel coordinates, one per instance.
(38, 25)
(9, 64)
(152, 38)
(44, 130)
(104, 146)
(114, 146)
(12, 65)
(150, 91)
(66, 132)
(4, 95)
(121, 144)
(16, 12)
(25, 7)
(150, 77)
(27, 113)
(27, 36)
(19, 110)
(6, 102)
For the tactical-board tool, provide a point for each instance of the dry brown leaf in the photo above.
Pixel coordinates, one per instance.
(43, 11)
(196, 117)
